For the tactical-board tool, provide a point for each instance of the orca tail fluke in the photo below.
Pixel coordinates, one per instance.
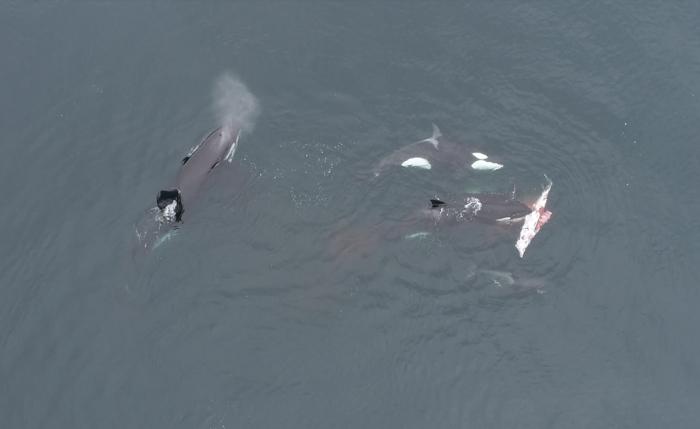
(433, 139)
(437, 203)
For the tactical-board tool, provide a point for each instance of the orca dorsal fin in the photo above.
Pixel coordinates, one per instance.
(437, 203)
(165, 200)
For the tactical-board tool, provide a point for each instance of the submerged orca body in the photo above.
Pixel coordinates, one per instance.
(489, 208)
(158, 226)
(501, 210)
(436, 152)
(506, 284)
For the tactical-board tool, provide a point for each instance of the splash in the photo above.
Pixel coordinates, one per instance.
(236, 108)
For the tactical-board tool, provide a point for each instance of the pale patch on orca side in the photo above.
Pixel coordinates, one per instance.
(506, 280)
(417, 235)
(417, 163)
(486, 165)
(499, 278)
(510, 220)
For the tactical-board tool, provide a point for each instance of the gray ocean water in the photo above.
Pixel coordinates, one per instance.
(286, 301)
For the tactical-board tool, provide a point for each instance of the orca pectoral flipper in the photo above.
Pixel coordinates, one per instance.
(232, 148)
(191, 152)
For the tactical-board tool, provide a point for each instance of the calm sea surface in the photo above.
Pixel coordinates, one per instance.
(288, 299)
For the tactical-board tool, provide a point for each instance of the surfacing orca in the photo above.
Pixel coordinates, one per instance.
(161, 222)
(489, 208)
(435, 151)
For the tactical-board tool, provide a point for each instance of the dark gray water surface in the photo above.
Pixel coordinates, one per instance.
(284, 302)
